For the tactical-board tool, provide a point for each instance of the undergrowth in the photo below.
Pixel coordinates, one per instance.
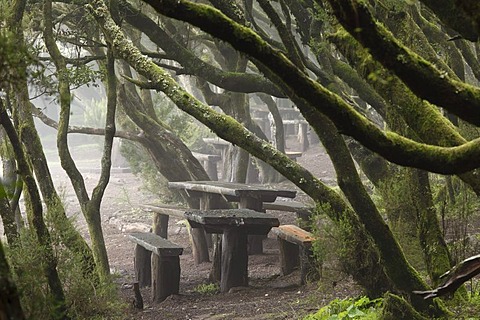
(350, 308)
(207, 289)
(85, 297)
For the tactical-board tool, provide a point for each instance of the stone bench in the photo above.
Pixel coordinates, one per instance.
(302, 211)
(295, 250)
(300, 129)
(161, 215)
(157, 263)
(209, 162)
(293, 155)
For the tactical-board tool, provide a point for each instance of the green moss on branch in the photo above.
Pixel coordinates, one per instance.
(393, 147)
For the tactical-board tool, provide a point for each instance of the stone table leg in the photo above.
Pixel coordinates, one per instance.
(255, 242)
(199, 244)
(234, 260)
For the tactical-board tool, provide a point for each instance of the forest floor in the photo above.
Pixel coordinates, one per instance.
(268, 296)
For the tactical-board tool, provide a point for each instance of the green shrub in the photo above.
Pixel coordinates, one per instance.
(362, 308)
(207, 289)
(470, 307)
(85, 298)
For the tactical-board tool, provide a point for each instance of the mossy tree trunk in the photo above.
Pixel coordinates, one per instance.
(11, 180)
(36, 221)
(437, 256)
(10, 306)
(70, 237)
(6, 212)
(422, 117)
(461, 17)
(415, 111)
(169, 154)
(89, 207)
(160, 142)
(8, 219)
(442, 90)
(403, 276)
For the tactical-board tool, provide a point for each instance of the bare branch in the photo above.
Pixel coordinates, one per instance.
(86, 130)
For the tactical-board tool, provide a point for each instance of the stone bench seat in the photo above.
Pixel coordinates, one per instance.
(157, 264)
(161, 214)
(295, 250)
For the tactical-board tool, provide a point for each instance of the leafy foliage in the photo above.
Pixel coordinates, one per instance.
(470, 308)
(361, 308)
(86, 298)
(207, 288)
(12, 57)
(189, 130)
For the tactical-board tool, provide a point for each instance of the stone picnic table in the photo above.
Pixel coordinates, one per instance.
(248, 196)
(235, 225)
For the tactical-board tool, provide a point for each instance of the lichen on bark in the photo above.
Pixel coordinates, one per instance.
(455, 96)
(393, 147)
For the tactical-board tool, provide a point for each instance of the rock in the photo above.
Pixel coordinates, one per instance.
(237, 289)
(135, 227)
(179, 230)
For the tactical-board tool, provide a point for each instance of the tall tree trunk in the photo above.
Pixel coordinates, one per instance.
(8, 218)
(10, 307)
(11, 180)
(437, 256)
(32, 196)
(70, 237)
(90, 208)
(35, 218)
(7, 190)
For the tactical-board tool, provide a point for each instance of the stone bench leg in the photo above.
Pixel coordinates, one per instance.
(302, 136)
(141, 262)
(307, 265)
(160, 224)
(165, 276)
(289, 256)
(212, 169)
(293, 256)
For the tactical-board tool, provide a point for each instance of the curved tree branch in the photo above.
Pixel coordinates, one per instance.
(86, 130)
(423, 78)
(393, 147)
(231, 81)
(458, 16)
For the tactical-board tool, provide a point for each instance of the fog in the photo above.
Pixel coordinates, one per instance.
(86, 150)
